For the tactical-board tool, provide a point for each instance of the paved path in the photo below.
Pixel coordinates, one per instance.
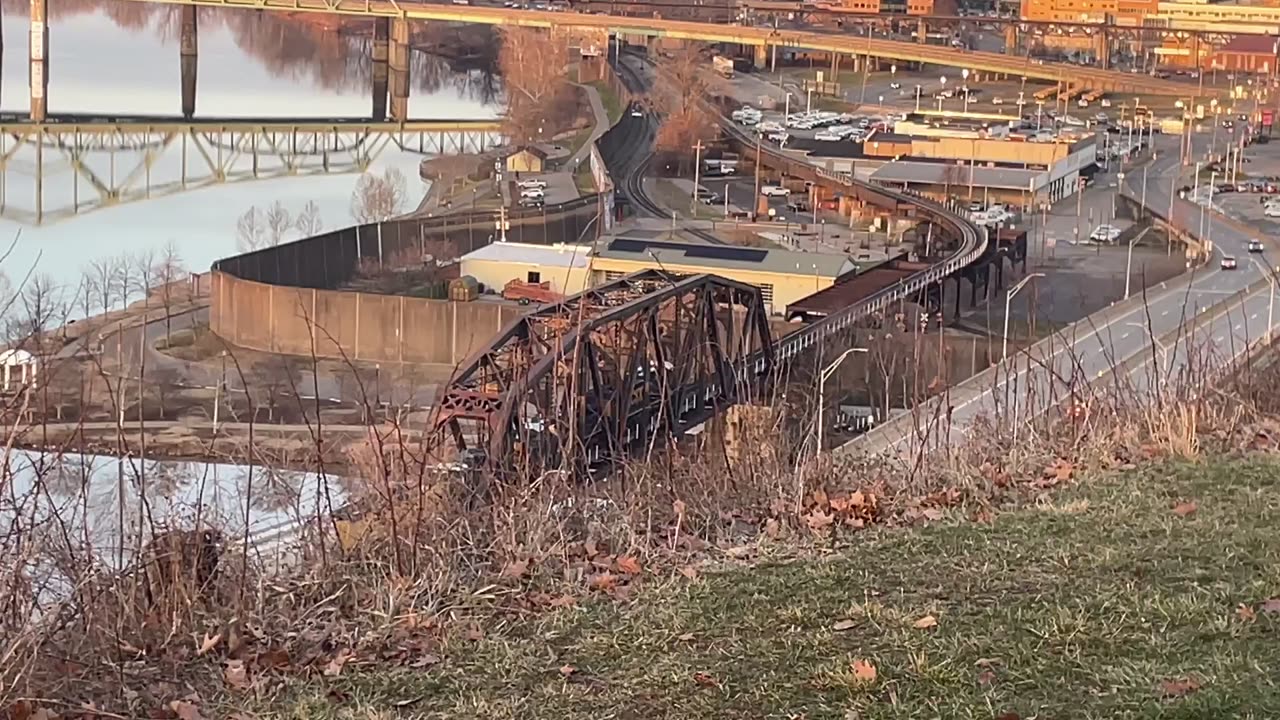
(601, 126)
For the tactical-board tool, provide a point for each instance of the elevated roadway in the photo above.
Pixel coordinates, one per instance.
(1200, 321)
(758, 37)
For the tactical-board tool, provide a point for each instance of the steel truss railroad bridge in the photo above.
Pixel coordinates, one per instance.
(602, 373)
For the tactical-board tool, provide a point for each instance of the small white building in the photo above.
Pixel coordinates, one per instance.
(20, 369)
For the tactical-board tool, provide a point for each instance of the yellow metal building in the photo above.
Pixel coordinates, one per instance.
(783, 276)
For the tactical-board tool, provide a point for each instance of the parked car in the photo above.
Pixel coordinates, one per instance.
(1228, 263)
(1105, 233)
(1255, 246)
(532, 193)
(531, 184)
(774, 191)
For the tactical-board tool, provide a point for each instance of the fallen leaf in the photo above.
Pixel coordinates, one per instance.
(20, 710)
(819, 520)
(209, 643)
(1271, 607)
(864, 671)
(705, 680)
(986, 677)
(334, 668)
(235, 674)
(425, 660)
(686, 637)
(515, 570)
(820, 499)
(1246, 613)
(1008, 716)
(1184, 509)
(772, 527)
(678, 507)
(926, 622)
(185, 710)
(274, 659)
(603, 582)
(690, 572)
(1179, 687)
(567, 670)
(933, 514)
(740, 552)
(845, 625)
(629, 565)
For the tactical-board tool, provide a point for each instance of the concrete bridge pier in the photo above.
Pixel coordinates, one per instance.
(38, 54)
(922, 31)
(187, 53)
(398, 66)
(378, 54)
(761, 58)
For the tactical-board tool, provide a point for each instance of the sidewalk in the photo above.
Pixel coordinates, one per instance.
(601, 125)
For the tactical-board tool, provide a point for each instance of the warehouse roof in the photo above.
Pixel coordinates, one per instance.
(728, 257)
(558, 255)
(937, 174)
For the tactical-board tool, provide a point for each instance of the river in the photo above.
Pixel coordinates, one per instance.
(122, 57)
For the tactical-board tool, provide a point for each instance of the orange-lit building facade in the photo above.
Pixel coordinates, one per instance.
(894, 7)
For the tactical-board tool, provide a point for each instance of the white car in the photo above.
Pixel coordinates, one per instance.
(779, 137)
(895, 86)
(827, 136)
(769, 126)
(531, 184)
(1272, 211)
(774, 191)
(532, 194)
(1105, 233)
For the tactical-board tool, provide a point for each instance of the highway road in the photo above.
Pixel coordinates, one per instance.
(1207, 315)
(848, 43)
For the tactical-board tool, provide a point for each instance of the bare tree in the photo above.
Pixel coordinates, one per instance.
(251, 230)
(169, 273)
(679, 96)
(144, 275)
(308, 222)
(377, 198)
(102, 281)
(279, 221)
(532, 64)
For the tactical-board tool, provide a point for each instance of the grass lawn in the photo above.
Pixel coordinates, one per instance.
(1103, 602)
(612, 103)
(583, 180)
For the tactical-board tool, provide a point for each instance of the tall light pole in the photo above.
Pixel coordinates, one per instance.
(1008, 298)
(1115, 197)
(1128, 264)
(918, 89)
(822, 387)
(786, 114)
(943, 80)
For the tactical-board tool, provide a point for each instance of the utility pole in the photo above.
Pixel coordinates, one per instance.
(697, 177)
(755, 200)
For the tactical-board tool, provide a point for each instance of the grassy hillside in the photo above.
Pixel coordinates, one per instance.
(1140, 595)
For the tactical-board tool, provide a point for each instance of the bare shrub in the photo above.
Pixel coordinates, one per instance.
(378, 197)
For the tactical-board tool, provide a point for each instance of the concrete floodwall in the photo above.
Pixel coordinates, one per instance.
(356, 326)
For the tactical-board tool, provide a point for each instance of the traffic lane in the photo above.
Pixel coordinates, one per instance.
(1084, 357)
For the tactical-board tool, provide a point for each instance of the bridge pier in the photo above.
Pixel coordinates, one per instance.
(378, 54)
(39, 53)
(398, 65)
(187, 59)
(761, 57)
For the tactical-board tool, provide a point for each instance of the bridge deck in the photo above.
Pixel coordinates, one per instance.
(757, 36)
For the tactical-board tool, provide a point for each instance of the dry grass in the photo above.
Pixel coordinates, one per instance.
(436, 557)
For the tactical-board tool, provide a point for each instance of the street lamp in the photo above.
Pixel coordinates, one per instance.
(918, 89)
(1128, 264)
(1008, 298)
(964, 88)
(1115, 197)
(822, 386)
(943, 79)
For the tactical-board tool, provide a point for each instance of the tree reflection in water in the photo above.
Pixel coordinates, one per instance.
(329, 52)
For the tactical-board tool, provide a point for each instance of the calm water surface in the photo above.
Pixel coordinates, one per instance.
(123, 58)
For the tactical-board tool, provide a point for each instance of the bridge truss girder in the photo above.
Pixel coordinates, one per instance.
(607, 372)
(77, 168)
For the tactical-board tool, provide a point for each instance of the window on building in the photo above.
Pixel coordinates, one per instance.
(534, 277)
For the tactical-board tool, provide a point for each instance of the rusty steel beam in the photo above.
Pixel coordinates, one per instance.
(602, 374)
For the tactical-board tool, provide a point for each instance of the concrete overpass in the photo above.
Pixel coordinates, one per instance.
(764, 39)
